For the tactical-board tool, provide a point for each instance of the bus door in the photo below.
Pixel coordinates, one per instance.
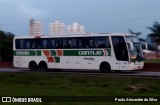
(121, 53)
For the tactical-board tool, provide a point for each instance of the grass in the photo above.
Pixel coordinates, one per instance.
(151, 61)
(45, 84)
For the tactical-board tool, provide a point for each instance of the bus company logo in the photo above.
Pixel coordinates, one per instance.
(22, 53)
(90, 53)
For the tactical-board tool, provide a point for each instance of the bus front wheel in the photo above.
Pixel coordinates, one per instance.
(105, 67)
(33, 66)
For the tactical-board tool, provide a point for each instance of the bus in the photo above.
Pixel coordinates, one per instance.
(105, 52)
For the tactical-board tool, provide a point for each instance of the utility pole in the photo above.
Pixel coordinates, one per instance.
(0, 45)
(0, 50)
(1, 37)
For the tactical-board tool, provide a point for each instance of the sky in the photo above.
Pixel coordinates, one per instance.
(99, 16)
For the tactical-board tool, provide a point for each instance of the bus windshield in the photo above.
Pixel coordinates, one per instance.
(136, 53)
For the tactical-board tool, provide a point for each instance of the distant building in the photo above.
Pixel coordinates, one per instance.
(57, 28)
(75, 28)
(35, 28)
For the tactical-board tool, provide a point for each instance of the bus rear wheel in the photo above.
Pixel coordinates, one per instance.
(43, 66)
(33, 66)
(105, 67)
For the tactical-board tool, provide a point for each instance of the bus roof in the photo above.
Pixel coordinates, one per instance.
(75, 35)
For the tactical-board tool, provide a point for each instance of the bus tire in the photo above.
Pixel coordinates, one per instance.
(33, 66)
(43, 66)
(105, 67)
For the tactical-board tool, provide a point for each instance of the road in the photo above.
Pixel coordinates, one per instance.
(91, 72)
(13, 70)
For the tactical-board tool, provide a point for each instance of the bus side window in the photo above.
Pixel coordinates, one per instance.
(34, 44)
(28, 44)
(80, 42)
(38, 44)
(67, 43)
(59, 43)
(107, 43)
(20, 44)
(74, 43)
(88, 42)
(51, 43)
(99, 42)
(44, 43)
(102, 42)
(17, 43)
(91, 41)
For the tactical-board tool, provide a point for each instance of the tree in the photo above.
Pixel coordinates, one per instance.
(155, 35)
(6, 43)
(135, 33)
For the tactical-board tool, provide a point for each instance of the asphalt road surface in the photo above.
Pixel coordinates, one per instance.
(13, 70)
(88, 72)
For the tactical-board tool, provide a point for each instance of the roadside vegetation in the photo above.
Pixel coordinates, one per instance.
(152, 61)
(50, 84)
(152, 39)
(6, 46)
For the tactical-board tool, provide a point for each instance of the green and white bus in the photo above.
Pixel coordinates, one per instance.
(105, 52)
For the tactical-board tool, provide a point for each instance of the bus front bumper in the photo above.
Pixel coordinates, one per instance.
(136, 66)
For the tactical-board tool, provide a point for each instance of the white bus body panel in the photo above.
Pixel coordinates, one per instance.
(77, 62)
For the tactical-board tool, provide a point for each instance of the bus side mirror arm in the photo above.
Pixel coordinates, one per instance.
(130, 45)
(144, 45)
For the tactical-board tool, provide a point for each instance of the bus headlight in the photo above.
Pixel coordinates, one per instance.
(133, 57)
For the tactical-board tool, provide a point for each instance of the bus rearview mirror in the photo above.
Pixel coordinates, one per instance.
(144, 45)
(130, 45)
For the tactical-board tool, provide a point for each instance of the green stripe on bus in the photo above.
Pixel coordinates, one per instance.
(103, 52)
(106, 52)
